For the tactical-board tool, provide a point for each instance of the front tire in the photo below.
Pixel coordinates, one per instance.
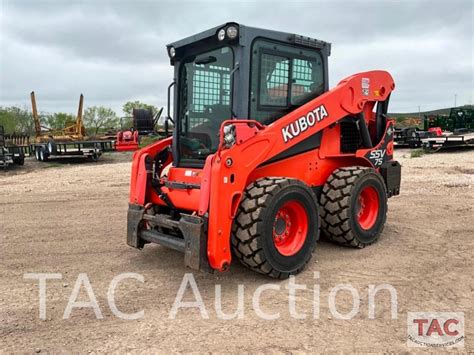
(353, 206)
(277, 227)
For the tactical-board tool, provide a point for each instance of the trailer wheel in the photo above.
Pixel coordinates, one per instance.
(43, 154)
(19, 161)
(94, 157)
(354, 206)
(52, 148)
(276, 227)
(37, 153)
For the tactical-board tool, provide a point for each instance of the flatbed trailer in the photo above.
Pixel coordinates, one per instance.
(411, 137)
(91, 149)
(448, 141)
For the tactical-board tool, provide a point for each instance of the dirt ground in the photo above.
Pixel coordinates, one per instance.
(71, 219)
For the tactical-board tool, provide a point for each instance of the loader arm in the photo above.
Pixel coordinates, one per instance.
(255, 144)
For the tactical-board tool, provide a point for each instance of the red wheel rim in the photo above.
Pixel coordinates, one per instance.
(290, 228)
(367, 207)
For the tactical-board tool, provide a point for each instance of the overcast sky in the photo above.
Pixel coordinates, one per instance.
(114, 51)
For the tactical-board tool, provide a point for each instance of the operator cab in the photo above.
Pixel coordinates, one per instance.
(234, 71)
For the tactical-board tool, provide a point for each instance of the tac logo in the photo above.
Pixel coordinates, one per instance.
(435, 329)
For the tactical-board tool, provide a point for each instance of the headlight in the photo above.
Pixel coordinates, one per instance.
(232, 32)
(229, 136)
(172, 52)
(221, 35)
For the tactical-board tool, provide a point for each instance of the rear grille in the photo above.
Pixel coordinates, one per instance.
(350, 137)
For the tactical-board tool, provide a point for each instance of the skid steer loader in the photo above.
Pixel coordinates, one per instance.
(263, 156)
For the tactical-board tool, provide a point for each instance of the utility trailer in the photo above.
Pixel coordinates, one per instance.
(69, 142)
(439, 131)
(448, 141)
(412, 137)
(69, 149)
(406, 137)
(10, 154)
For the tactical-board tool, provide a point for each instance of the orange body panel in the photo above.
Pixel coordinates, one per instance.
(229, 171)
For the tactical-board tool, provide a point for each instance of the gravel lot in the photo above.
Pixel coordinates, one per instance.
(71, 219)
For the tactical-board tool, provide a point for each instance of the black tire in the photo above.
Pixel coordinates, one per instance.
(94, 157)
(19, 161)
(51, 147)
(253, 228)
(340, 206)
(37, 155)
(43, 154)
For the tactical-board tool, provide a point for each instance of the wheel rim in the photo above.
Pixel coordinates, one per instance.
(290, 228)
(367, 207)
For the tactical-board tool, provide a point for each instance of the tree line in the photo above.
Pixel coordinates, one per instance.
(96, 119)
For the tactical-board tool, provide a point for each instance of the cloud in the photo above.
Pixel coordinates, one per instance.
(114, 51)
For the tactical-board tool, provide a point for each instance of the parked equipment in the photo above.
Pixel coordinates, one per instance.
(263, 156)
(440, 131)
(10, 153)
(68, 142)
(127, 140)
(144, 121)
(460, 118)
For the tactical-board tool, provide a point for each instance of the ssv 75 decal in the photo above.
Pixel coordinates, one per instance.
(300, 125)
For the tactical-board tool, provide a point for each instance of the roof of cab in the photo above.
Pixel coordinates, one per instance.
(252, 31)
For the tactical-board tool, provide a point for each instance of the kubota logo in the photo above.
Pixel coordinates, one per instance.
(300, 125)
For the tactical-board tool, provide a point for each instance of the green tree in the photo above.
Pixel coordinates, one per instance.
(16, 119)
(99, 117)
(130, 105)
(60, 120)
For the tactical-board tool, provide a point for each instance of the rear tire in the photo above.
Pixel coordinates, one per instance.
(276, 227)
(94, 157)
(51, 147)
(353, 206)
(43, 154)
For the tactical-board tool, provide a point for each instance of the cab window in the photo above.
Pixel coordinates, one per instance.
(282, 78)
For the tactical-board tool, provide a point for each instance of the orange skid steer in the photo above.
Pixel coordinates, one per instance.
(264, 157)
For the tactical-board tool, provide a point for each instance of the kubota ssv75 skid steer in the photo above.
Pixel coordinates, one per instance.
(263, 156)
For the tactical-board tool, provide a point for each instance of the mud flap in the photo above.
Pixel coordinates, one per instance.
(391, 173)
